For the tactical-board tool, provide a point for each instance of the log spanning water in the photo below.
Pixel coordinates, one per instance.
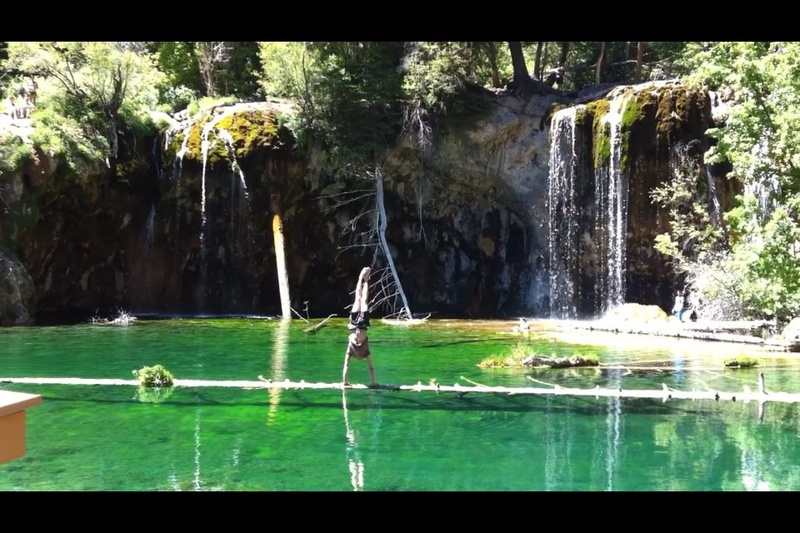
(664, 394)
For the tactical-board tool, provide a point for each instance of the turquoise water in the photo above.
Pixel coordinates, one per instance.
(112, 438)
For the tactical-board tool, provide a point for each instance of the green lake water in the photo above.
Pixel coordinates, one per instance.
(112, 438)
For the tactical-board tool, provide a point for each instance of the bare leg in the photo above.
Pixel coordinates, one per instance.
(362, 290)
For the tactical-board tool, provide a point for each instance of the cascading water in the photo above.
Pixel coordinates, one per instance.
(211, 134)
(243, 196)
(224, 136)
(611, 218)
(565, 167)
(570, 174)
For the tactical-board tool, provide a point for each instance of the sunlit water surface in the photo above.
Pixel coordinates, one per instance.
(112, 437)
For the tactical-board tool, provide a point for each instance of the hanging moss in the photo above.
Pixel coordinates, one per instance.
(582, 116)
(601, 147)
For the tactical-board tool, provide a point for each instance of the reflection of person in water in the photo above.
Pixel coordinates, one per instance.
(354, 462)
(357, 343)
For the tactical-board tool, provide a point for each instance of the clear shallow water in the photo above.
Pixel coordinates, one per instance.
(204, 439)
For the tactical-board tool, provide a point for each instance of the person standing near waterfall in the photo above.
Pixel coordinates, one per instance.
(357, 342)
(677, 308)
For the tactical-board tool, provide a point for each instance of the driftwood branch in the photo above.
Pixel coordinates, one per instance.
(314, 329)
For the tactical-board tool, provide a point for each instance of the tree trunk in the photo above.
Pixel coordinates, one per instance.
(537, 64)
(492, 51)
(280, 264)
(639, 57)
(521, 77)
(599, 66)
(562, 56)
(280, 252)
(469, 52)
(382, 223)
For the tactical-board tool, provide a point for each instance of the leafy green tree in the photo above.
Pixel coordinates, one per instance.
(89, 93)
(759, 138)
(183, 83)
(348, 93)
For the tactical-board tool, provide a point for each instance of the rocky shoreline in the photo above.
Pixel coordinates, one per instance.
(757, 333)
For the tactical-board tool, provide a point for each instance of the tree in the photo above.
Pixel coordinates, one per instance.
(212, 57)
(98, 88)
(759, 138)
(522, 79)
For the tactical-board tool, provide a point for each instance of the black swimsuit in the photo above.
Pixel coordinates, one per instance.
(359, 320)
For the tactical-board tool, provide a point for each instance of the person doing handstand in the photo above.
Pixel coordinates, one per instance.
(357, 343)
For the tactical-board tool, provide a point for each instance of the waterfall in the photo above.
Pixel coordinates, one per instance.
(563, 206)
(212, 134)
(238, 205)
(569, 172)
(611, 217)
(149, 230)
(241, 208)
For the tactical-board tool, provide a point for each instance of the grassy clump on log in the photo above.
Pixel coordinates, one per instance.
(521, 356)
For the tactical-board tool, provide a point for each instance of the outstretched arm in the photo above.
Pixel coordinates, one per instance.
(373, 381)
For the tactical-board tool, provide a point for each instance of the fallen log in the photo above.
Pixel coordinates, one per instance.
(664, 394)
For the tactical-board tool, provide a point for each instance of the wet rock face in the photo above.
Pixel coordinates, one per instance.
(189, 228)
(17, 292)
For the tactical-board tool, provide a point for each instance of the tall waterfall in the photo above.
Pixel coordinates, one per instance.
(611, 218)
(587, 241)
(563, 206)
(218, 237)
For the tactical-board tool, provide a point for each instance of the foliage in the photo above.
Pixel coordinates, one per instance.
(14, 152)
(522, 351)
(353, 99)
(434, 73)
(696, 240)
(66, 138)
(518, 352)
(97, 88)
(154, 376)
(356, 97)
(241, 77)
(759, 138)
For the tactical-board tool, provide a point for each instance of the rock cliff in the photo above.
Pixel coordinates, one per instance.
(187, 227)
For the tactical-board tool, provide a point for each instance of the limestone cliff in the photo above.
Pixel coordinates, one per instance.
(187, 228)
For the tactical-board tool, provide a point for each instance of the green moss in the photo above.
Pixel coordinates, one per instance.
(253, 130)
(582, 116)
(250, 130)
(601, 147)
(741, 361)
(522, 351)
